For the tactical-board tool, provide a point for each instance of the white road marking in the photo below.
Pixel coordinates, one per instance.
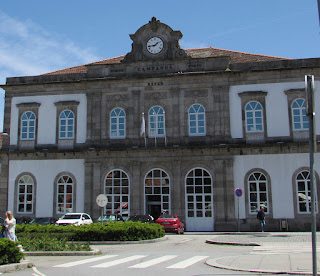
(120, 261)
(90, 260)
(154, 261)
(185, 240)
(188, 262)
(38, 273)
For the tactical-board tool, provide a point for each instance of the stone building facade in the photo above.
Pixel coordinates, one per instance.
(163, 128)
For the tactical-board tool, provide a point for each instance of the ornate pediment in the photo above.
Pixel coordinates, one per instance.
(155, 41)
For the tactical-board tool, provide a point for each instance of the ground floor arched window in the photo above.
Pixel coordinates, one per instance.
(117, 191)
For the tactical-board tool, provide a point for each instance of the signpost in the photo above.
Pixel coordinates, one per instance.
(238, 193)
(102, 201)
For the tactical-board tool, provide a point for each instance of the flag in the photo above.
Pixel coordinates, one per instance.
(143, 126)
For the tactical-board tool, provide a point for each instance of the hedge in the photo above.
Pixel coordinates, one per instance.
(9, 252)
(112, 231)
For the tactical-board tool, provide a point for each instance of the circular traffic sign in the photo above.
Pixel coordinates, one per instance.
(102, 200)
(238, 192)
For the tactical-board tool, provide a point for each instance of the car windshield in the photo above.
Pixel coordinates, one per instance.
(71, 216)
(38, 220)
(168, 217)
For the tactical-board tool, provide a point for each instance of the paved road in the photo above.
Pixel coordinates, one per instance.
(178, 255)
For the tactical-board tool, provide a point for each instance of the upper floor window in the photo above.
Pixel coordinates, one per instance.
(254, 117)
(117, 123)
(258, 192)
(65, 194)
(25, 194)
(28, 126)
(197, 120)
(300, 120)
(66, 125)
(156, 122)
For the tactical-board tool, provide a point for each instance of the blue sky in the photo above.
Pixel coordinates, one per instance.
(39, 36)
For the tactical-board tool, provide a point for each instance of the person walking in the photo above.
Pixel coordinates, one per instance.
(10, 227)
(262, 218)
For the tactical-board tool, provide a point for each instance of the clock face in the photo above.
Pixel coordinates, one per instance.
(154, 45)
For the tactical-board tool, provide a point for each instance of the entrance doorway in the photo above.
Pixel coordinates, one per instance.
(153, 205)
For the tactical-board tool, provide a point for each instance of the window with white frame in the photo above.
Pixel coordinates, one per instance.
(300, 120)
(304, 192)
(117, 190)
(199, 193)
(25, 195)
(254, 117)
(28, 126)
(258, 192)
(197, 120)
(117, 123)
(65, 187)
(156, 122)
(66, 125)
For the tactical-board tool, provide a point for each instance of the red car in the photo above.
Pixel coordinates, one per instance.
(171, 223)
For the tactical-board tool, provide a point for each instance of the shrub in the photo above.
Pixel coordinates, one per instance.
(46, 243)
(9, 252)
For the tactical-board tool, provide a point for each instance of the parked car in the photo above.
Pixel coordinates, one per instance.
(74, 219)
(23, 220)
(43, 220)
(108, 218)
(142, 218)
(171, 223)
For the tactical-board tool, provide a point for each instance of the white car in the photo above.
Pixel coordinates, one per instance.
(74, 219)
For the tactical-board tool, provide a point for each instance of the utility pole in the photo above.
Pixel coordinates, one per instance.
(309, 87)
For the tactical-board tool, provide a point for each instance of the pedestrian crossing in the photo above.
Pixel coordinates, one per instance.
(136, 261)
(273, 250)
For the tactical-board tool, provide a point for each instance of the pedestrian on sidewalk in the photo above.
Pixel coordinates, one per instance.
(262, 218)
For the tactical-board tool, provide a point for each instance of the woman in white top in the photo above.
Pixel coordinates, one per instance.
(10, 226)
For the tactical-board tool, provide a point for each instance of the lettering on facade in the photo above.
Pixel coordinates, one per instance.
(117, 71)
(156, 83)
(155, 68)
(195, 66)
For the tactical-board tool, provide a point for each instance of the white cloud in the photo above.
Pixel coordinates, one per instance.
(27, 49)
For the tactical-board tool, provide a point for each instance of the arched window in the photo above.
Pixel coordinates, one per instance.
(117, 190)
(66, 125)
(304, 192)
(65, 197)
(197, 120)
(258, 192)
(117, 123)
(300, 120)
(157, 186)
(156, 122)
(254, 117)
(25, 195)
(199, 193)
(28, 126)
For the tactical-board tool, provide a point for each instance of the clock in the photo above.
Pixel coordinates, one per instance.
(154, 45)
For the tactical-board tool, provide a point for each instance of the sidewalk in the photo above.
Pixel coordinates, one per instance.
(278, 253)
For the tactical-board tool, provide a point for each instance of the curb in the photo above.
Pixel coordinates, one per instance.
(63, 253)
(128, 242)
(15, 267)
(214, 263)
(233, 243)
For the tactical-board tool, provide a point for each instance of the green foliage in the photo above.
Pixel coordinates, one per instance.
(9, 252)
(46, 243)
(112, 231)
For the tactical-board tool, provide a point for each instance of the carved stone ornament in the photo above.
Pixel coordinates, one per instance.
(117, 97)
(155, 96)
(152, 32)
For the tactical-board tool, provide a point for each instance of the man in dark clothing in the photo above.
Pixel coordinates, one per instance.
(262, 217)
